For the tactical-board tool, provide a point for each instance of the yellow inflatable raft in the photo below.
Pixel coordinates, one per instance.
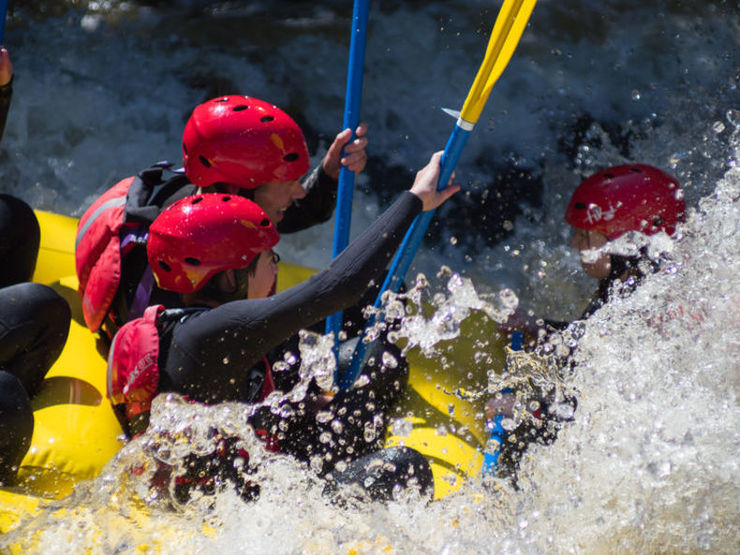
(76, 432)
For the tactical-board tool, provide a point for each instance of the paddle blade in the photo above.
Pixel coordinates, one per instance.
(510, 24)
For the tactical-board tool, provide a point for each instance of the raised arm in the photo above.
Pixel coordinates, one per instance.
(245, 330)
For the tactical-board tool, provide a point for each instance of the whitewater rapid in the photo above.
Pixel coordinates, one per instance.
(649, 463)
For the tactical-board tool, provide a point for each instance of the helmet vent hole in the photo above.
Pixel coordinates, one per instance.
(609, 175)
(225, 199)
(164, 266)
(635, 170)
(580, 206)
(292, 157)
(265, 222)
(222, 99)
(192, 261)
(204, 161)
(266, 119)
(241, 108)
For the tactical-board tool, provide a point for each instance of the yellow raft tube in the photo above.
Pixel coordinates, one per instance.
(76, 432)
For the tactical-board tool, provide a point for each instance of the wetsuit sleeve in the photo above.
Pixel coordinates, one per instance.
(211, 351)
(6, 92)
(316, 207)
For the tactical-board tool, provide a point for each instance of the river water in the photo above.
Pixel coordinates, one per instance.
(650, 463)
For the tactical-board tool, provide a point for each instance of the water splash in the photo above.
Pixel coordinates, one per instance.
(649, 463)
(431, 319)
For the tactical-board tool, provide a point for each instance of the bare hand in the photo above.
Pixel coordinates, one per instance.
(355, 156)
(503, 403)
(6, 67)
(425, 184)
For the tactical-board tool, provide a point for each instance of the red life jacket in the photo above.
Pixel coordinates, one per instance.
(133, 373)
(108, 231)
(98, 253)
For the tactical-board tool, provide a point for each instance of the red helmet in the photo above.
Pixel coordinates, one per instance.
(201, 235)
(632, 197)
(242, 141)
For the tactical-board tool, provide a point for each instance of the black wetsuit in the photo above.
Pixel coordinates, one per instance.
(6, 93)
(34, 323)
(204, 354)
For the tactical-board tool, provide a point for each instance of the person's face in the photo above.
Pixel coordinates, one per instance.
(591, 240)
(262, 282)
(275, 198)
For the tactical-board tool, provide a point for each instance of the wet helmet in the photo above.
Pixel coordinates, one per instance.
(632, 197)
(242, 141)
(201, 235)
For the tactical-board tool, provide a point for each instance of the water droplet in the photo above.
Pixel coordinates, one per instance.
(323, 416)
(718, 127)
(733, 117)
(636, 95)
(564, 411)
(508, 298)
(389, 361)
(402, 427)
(369, 434)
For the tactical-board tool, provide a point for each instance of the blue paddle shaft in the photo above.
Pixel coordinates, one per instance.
(3, 14)
(497, 433)
(352, 104)
(406, 252)
(412, 241)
